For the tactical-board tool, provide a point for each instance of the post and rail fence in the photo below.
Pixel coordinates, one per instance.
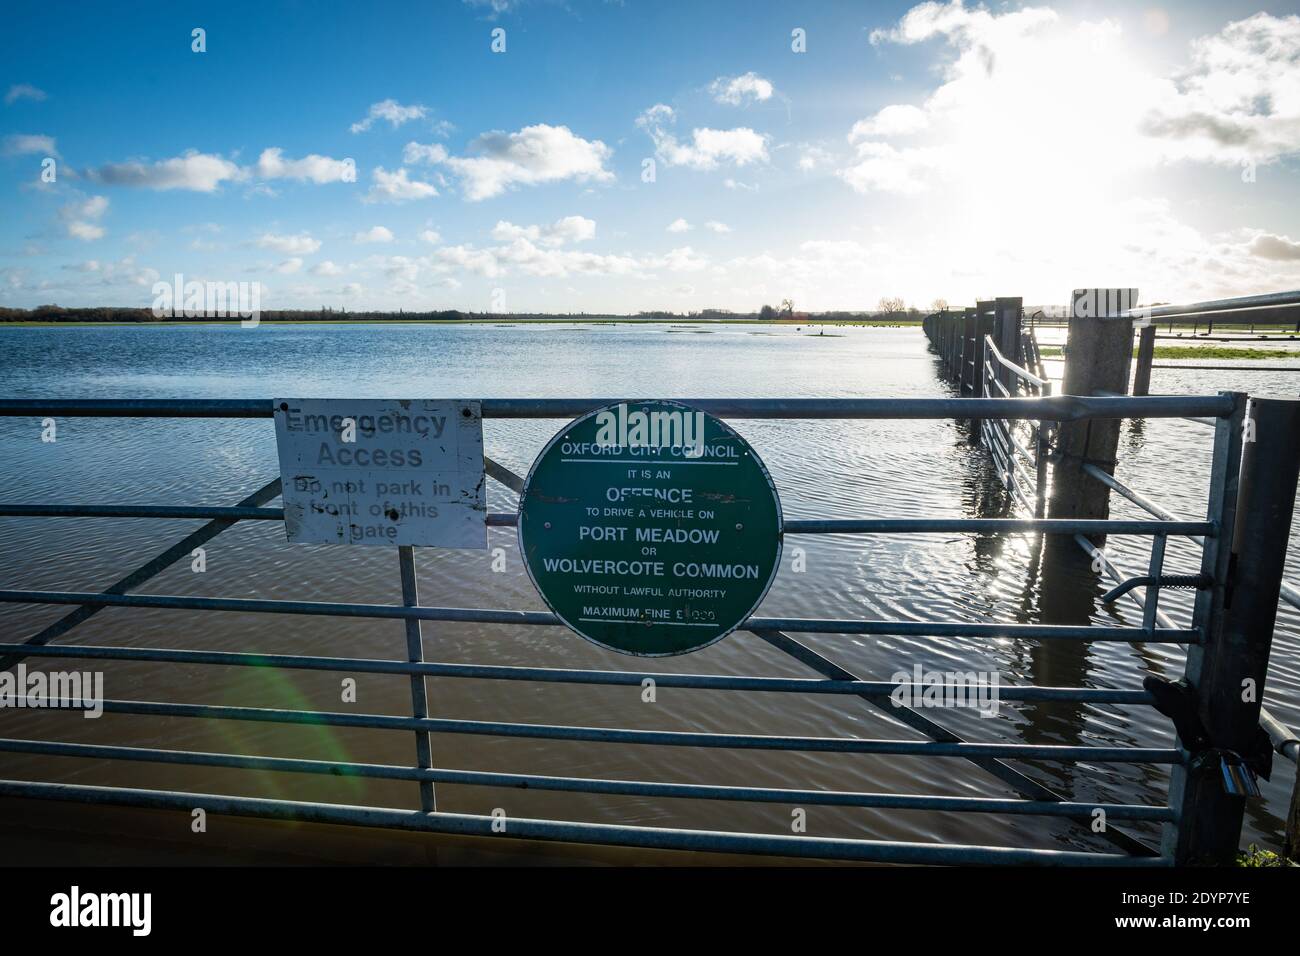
(1248, 464)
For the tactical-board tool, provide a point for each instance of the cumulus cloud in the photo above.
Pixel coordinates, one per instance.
(23, 91)
(205, 172)
(881, 167)
(1277, 248)
(81, 219)
(200, 172)
(737, 90)
(568, 229)
(719, 227)
(397, 187)
(536, 154)
(318, 169)
(1237, 98)
(394, 112)
(326, 268)
(680, 225)
(301, 244)
(813, 157)
(289, 266)
(897, 120)
(707, 147)
(415, 153)
(1233, 103)
(24, 144)
(683, 259)
(374, 234)
(430, 236)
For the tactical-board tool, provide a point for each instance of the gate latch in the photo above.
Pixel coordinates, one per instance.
(1187, 582)
(1238, 774)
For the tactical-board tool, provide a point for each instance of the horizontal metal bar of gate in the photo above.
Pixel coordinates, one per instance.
(794, 685)
(667, 738)
(638, 788)
(664, 838)
(546, 619)
(1056, 408)
(1089, 526)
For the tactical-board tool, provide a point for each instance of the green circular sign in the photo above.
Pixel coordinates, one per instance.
(650, 528)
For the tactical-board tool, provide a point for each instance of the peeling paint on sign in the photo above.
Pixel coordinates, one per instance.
(382, 471)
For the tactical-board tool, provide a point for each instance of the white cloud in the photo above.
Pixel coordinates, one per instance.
(397, 187)
(813, 157)
(483, 262)
(683, 259)
(414, 153)
(82, 218)
(394, 112)
(900, 119)
(430, 236)
(326, 268)
(883, 168)
(568, 229)
(301, 244)
(1238, 100)
(1278, 248)
(534, 154)
(23, 91)
(707, 148)
(719, 227)
(319, 169)
(735, 90)
(289, 266)
(85, 230)
(374, 234)
(201, 172)
(680, 225)
(24, 144)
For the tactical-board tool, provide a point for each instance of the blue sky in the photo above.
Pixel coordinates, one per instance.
(381, 155)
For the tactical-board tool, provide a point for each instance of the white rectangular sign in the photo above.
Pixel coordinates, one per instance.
(382, 471)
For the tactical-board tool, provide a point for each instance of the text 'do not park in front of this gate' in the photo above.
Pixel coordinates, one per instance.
(382, 471)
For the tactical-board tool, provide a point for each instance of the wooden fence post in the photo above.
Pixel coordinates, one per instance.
(1146, 352)
(1006, 313)
(1098, 354)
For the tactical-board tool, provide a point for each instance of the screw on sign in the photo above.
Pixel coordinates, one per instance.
(650, 528)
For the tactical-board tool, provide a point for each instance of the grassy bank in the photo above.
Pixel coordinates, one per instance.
(1200, 352)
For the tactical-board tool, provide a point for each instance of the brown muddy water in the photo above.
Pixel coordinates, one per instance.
(821, 469)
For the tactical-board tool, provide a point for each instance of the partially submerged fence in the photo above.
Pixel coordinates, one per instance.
(1099, 353)
(1248, 497)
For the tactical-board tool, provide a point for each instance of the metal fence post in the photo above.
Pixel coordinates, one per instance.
(1228, 669)
(415, 654)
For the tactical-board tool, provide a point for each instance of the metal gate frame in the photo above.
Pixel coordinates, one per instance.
(1226, 409)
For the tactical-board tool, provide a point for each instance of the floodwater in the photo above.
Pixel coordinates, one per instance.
(821, 469)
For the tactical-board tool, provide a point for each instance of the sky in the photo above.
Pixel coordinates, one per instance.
(598, 156)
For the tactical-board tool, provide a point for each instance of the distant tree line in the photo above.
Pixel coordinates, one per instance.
(785, 311)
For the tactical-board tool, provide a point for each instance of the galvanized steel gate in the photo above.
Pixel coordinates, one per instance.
(1227, 410)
